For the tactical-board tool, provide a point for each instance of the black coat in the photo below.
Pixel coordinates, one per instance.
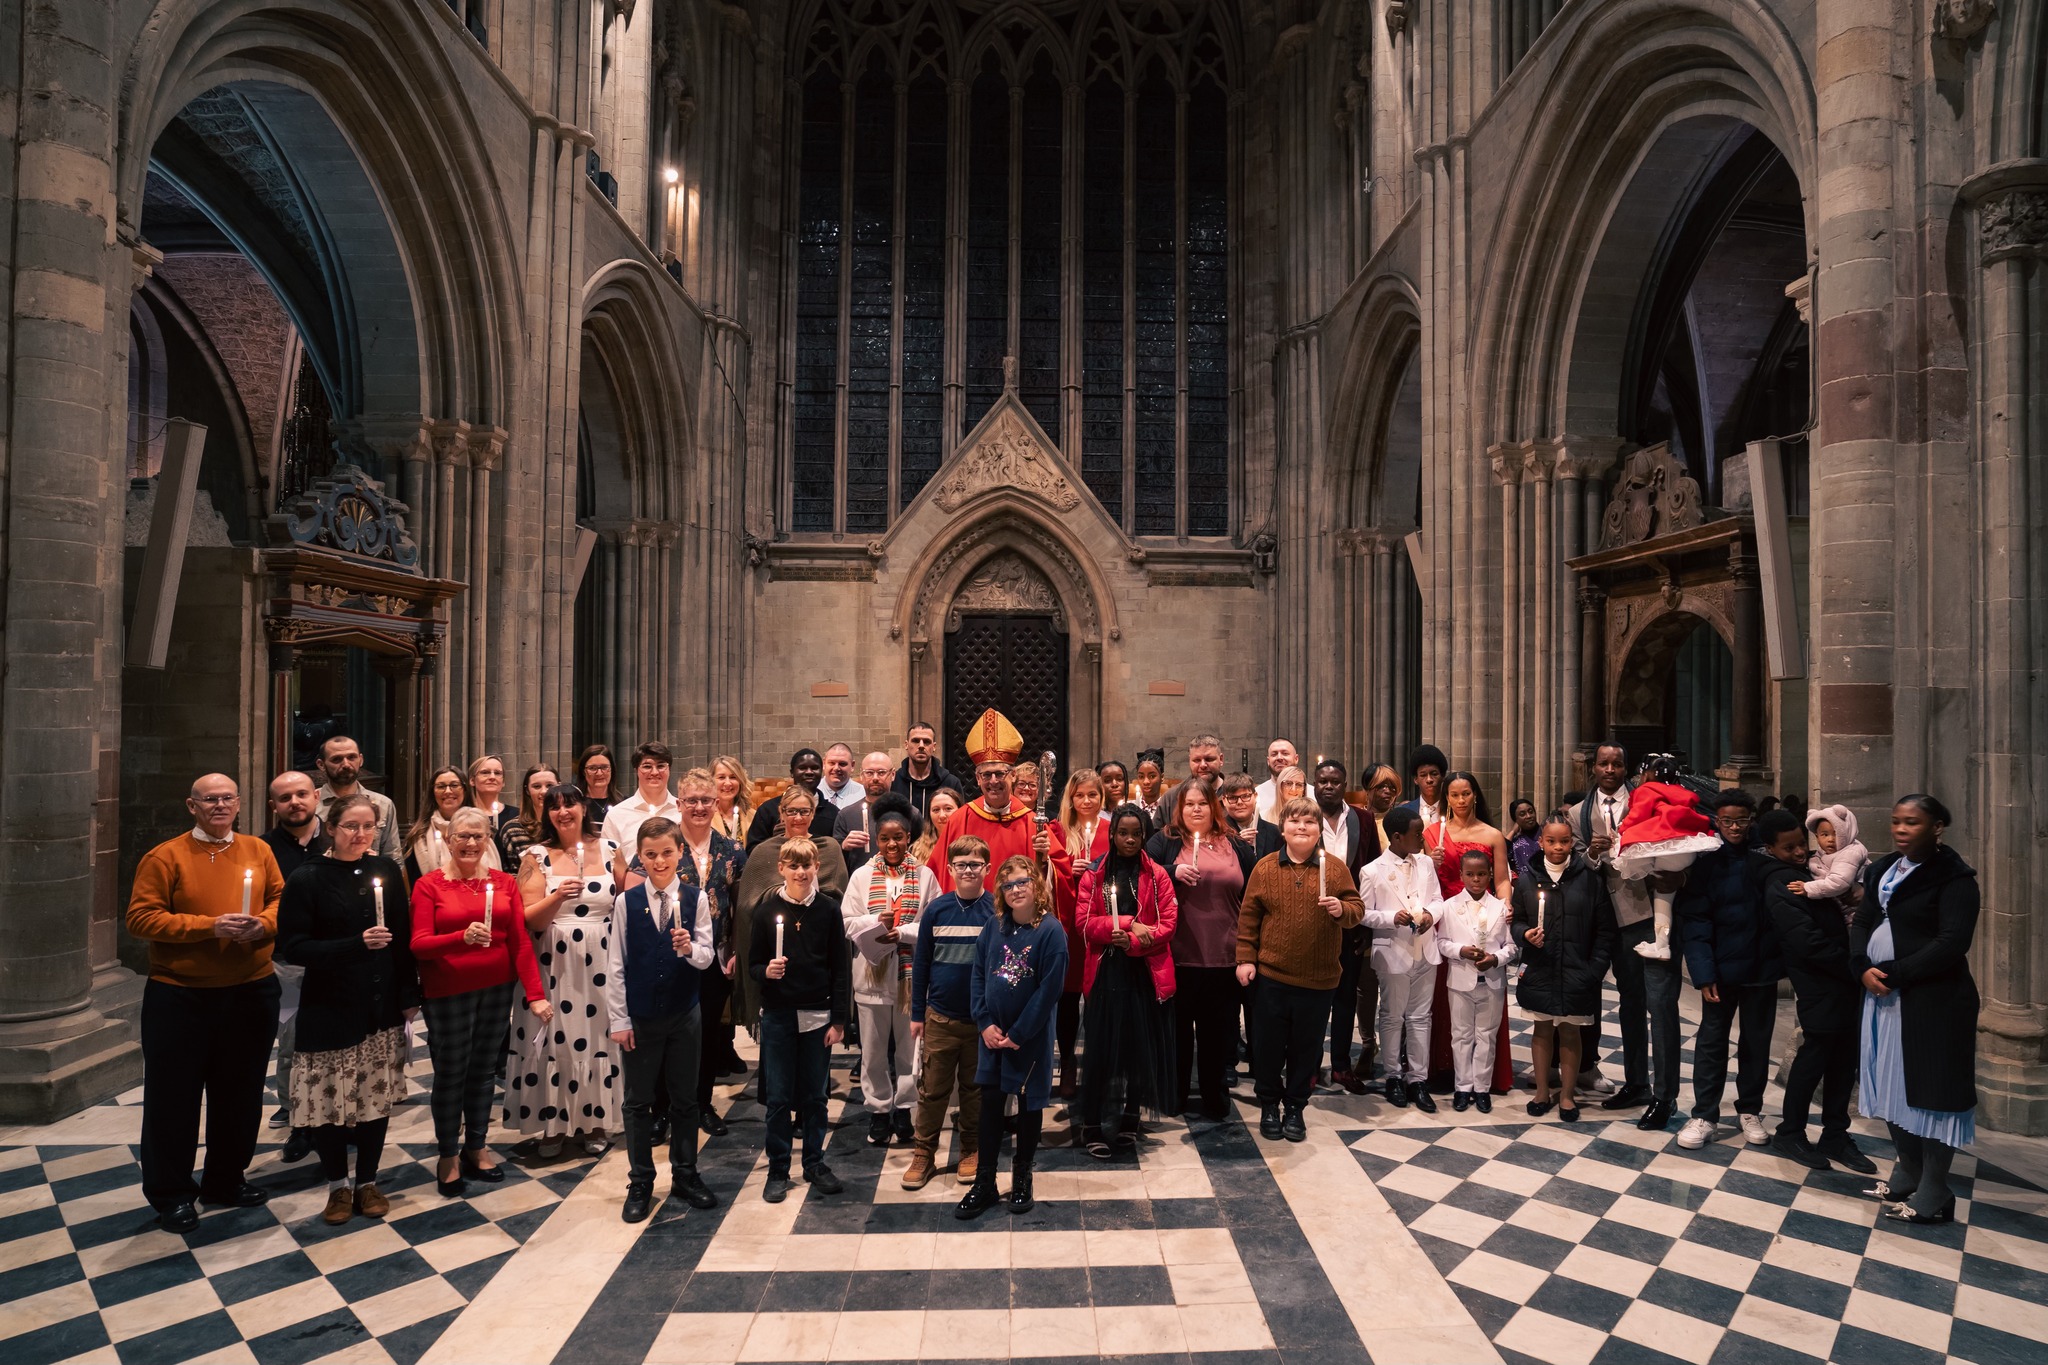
(1934, 916)
(1813, 939)
(1564, 975)
(350, 991)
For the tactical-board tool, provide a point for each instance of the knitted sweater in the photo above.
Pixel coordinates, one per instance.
(1283, 931)
(180, 890)
(942, 969)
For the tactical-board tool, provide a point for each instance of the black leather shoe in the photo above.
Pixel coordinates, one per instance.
(1795, 1148)
(178, 1218)
(692, 1189)
(1843, 1151)
(712, 1123)
(1656, 1118)
(981, 1196)
(1424, 1101)
(487, 1175)
(639, 1203)
(243, 1196)
(1396, 1091)
(1483, 1102)
(298, 1146)
(1019, 1198)
(1269, 1121)
(1292, 1127)
(1460, 1102)
(1628, 1097)
(1568, 1115)
(821, 1179)
(659, 1137)
(777, 1189)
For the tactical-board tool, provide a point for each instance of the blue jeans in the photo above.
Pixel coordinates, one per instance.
(798, 1068)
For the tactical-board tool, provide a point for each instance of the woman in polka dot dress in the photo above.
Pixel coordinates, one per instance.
(562, 1079)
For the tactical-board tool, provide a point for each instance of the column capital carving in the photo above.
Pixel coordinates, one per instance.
(1507, 459)
(1539, 461)
(1586, 457)
(487, 447)
(379, 438)
(448, 440)
(144, 259)
(2011, 200)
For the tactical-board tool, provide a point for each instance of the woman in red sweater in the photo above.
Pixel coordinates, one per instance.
(469, 938)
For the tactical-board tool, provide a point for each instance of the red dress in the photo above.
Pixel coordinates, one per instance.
(1451, 881)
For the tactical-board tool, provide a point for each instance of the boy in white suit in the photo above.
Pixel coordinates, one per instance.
(1472, 935)
(1400, 887)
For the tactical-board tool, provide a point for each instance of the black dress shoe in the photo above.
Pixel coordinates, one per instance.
(659, 1137)
(712, 1123)
(692, 1189)
(1483, 1102)
(1460, 1102)
(1292, 1126)
(639, 1203)
(1423, 1100)
(243, 1196)
(1842, 1150)
(1794, 1147)
(488, 1175)
(1396, 1091)
(1905, 1213)
(1656, 1118)
(1019, 1198)
(981, 1196)
(298, 1146)
(1628, 1097)
(776, 1190)
(821, 1179)
(1269, 1121)
(178, 1217)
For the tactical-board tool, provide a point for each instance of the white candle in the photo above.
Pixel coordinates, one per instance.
(490, 893)
(1542, 897)
(1197, 863)
(248, 887)
(778, 936)
(579, 859)
(1113, 924)
(377, 895)
(1322, 874)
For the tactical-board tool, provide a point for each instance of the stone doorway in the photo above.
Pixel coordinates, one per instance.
(1018, 665)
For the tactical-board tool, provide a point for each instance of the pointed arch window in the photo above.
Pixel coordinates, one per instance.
(968, 194)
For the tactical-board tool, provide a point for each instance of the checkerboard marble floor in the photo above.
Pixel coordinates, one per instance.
(1389, 1236)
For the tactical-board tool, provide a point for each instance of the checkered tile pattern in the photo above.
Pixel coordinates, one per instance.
(85, 1274)
(1599, 1242)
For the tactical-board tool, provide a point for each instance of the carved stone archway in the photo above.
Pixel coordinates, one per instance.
(1009, 561)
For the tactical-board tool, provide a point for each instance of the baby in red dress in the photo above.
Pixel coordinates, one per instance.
(1664, 830)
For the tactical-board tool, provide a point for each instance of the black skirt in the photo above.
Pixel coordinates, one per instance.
(1127, 1044)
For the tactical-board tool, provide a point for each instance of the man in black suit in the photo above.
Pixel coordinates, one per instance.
(1347, 835)
(296, 834)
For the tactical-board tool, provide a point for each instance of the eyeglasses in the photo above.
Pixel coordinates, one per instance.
(470, 838)
(356, 827)
(227, 800)
(968, 866)
(698, 800)
(1018, 884)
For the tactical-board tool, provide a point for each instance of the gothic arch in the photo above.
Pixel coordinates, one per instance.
(1648, 652)
(1371, 372)
(1631, 75)
(372, 70)
(627, 340)
(1009, 525)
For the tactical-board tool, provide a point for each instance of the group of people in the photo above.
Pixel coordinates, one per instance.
(589, 952)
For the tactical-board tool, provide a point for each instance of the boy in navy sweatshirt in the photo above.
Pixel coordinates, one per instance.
(941, 982)
(799, 961)
(660, 942)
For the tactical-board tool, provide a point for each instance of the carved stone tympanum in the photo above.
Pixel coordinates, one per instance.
(1007, 456)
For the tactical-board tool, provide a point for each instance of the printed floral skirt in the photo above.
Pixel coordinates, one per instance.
(349, 1085)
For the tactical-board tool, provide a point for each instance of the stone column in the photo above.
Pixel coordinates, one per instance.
(1507, 472)
(2008, 310)
(1592, 666)
(1854, 520)
(1538, 470)
(1746, 728)
(486, 452)
(69, 284)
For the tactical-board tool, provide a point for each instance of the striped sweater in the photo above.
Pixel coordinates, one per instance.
(942, 968)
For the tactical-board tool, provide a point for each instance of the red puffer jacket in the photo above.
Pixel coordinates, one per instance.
(1158, 911)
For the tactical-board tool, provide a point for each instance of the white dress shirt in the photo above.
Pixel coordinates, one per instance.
(622, 822)
(1483, 923)
(1394, 884)
(663, 904)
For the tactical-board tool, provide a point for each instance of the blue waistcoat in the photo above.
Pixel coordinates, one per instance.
(659, 984)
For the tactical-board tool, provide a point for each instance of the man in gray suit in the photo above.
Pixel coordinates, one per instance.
(1648, 989)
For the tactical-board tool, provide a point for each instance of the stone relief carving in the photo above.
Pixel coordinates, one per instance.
(1960, 20)
(1654, 497)
(2013, 223)
(1007, 456)
(924, 611)
(1007, 583)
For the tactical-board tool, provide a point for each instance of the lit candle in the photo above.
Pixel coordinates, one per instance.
(248, 887)
(1322, 874)
(490, 893)
(579, 859)
(377, 895)
(1113, 924)
(1542, 899)
(1198, 853)
(778, 936)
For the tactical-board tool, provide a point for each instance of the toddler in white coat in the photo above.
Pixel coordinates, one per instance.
(1472, 936)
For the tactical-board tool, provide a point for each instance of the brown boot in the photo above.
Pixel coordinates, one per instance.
(370, 1202)
(969, 1166)
(341, 1206)
(920, 1171)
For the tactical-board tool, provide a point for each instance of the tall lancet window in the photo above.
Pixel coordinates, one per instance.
(980, 182)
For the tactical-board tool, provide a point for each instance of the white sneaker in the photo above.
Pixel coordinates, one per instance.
(1753, 1130)
(1697, 1133)
(1659, 952)
(1595, 1084)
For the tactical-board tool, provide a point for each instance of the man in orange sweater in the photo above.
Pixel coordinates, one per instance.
(1297, 904)
(206, 903)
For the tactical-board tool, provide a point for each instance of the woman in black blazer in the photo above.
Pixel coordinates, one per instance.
(1911, 943)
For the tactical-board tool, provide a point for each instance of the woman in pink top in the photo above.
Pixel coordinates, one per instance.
(1209, 869)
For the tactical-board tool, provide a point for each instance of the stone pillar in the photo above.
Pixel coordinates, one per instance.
(1507, 472)
(486, 453)
(1538, 469)
(1854, 522)
(1592, 667)
(69, 284)
(2008, 310)
(1743, 765)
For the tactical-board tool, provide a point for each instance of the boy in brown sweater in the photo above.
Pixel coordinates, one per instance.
(1297, 905)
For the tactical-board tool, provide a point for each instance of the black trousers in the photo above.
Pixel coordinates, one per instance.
(714, 1047)
(1754, 1009)
(1826, 1061)
(1205, 1003)
(207, 1043)
(1287, 1041)
(1354, 956)
(667, 1055)
(1648, 1013)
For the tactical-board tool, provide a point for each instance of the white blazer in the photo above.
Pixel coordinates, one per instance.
(1462, 922)
(1392, 885)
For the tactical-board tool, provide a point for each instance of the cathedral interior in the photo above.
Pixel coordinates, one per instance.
(506, 376)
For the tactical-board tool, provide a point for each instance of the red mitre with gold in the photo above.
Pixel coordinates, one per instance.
(994, 740)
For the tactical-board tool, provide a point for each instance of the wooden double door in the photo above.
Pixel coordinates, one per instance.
(1018, 665)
